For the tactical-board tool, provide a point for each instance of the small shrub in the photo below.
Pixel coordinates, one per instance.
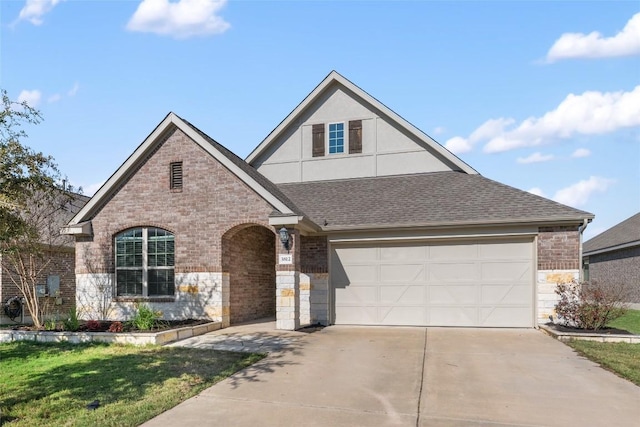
(94, 325)
(71, 323)
(116, 327)
(50, 325)
(145, 318)
(589, 306)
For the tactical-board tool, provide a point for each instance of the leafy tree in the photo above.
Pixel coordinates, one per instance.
(32, 201)
(23, 172)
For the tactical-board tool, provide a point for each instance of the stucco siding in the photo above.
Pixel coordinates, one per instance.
(386, 148)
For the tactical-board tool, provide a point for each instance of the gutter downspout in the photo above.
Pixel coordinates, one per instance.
(581, 230)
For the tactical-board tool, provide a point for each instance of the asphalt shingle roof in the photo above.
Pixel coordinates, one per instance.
(628, 231)
(429, 199)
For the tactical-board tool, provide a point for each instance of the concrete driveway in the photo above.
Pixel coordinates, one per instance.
(380, 376)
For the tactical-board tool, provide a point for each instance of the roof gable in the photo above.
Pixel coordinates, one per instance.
(624, 234)
(267, 190)
(328, 85)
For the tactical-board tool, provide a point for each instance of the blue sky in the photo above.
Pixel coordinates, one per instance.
(543, 96)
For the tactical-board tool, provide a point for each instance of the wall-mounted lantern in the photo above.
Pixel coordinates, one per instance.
(284, 237)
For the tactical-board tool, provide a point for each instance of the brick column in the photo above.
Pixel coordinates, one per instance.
(288, 283)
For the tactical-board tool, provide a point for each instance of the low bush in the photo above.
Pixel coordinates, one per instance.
(589, 305)
(93, 325)
(145, 318)
(71, 323)
(116, 327)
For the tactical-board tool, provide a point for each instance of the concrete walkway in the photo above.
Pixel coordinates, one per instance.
(363, 376)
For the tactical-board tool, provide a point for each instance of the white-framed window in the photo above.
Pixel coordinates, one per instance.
(145, 258)
(336, 138)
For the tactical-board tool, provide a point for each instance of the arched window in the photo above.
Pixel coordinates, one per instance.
(145, 260)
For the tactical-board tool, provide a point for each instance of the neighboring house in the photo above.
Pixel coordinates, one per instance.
(613, 257)
(382, 226)
(56, 278)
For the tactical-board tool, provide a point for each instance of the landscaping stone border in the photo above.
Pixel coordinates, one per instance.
(568, 336)
(137, 338)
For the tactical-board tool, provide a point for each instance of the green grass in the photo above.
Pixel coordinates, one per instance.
(621, 358)
(629, 322)
(51, 384)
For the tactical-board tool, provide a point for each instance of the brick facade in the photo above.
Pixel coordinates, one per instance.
(249, 258)
(558, 262)
(211, 202)
(59, 262)
(621, 267)
(559, 248)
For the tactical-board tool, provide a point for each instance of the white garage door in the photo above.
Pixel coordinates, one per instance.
(469, 283)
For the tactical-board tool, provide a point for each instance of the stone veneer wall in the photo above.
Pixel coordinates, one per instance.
(558, 262)
(314, 280)
(211, 202)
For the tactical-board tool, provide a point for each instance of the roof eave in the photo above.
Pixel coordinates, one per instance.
(611, 248)
(458, 224)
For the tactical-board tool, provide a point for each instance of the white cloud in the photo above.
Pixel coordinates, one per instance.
(578, 194)
(34, 10)
(537, 191)
(581, 152)
(31, 97)
(182, 19)
(590, 113)
(54, 98)
(594, 45)
(458, 145)
(74, 90)
(91, 189)
(536, 157)
(439, 130)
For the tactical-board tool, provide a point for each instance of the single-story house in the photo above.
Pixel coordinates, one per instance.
(613, 257)
(344, 214)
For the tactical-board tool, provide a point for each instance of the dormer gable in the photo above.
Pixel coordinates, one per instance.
(339, 131)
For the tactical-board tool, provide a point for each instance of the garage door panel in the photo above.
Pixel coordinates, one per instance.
(486, 282)
(359, 315)
(503, 271)
(501, 294)
(353, 295)
(453, 315)
(506, 250)
(403, 253)
(453, 251)
(453, 272)
(501, 316)
(402, 294)
(402, 316)
(450, 294)
(390, 273)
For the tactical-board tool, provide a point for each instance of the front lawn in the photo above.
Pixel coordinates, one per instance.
(629, 322)
(51, 384)
(621, 358)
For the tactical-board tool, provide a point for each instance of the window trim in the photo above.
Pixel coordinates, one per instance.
(329, 138)
(145, 267)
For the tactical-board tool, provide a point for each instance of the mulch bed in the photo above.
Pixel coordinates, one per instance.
(103, 326)
(603, 331)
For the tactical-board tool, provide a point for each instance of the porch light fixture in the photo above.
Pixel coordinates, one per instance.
(284, 237)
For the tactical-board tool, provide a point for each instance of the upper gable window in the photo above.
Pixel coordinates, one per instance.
(336, 138)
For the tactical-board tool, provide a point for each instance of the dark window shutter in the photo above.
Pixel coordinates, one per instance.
(318, 140)
(355, 136)
(175, 180)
